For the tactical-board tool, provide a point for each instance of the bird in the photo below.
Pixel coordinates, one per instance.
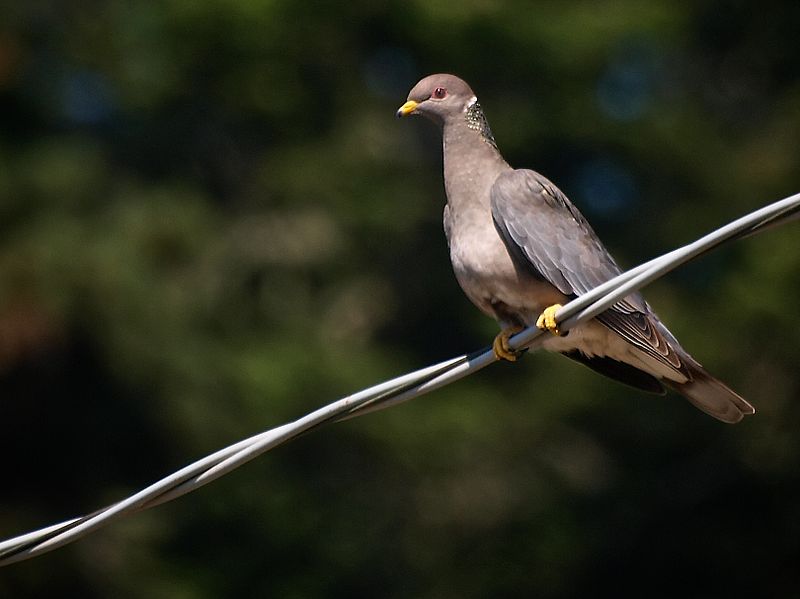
(520, 249)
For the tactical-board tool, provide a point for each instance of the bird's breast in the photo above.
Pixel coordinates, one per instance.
(489, 275)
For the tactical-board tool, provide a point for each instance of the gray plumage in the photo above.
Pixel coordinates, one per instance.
(518, 245)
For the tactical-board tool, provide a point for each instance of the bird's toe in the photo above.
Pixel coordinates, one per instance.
(502, 349)
(547, 319)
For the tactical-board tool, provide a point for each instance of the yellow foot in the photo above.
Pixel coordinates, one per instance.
(547, 319)
(501, 348)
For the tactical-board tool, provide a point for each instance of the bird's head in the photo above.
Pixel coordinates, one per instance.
(438, 97)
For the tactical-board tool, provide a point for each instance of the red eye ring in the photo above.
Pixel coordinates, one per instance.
(439, 93)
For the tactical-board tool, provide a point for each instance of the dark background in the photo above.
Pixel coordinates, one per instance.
(211, 223)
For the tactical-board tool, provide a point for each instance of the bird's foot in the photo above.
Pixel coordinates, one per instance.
(502, 350)
(547, 320)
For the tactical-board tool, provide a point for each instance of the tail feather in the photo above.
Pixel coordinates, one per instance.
(711, 395)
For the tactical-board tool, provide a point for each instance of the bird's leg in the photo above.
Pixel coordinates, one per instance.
(502, 350)
(547, 319)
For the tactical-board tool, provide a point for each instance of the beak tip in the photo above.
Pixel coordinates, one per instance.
(408, 108)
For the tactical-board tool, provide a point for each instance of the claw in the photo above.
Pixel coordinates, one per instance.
(547, 319)
(502, 350)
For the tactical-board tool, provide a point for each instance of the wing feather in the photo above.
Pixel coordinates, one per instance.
(539, 224)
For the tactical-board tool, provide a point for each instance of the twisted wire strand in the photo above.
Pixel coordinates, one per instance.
(388, 393)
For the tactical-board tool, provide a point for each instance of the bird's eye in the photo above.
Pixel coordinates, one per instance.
(439, 93)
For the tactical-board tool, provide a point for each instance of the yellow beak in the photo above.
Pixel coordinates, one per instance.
(407, 108)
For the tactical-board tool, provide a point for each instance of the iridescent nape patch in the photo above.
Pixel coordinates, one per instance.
(476, 120)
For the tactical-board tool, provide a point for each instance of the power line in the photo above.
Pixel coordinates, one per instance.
(388, 393)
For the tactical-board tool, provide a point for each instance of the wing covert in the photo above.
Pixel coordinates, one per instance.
(539, 224)
(532, 214)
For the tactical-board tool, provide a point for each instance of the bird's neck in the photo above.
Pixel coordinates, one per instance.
(472, 161)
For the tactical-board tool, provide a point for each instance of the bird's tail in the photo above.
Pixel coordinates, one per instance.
(710, 394)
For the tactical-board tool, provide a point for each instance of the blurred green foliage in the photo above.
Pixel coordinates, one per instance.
(210, 223)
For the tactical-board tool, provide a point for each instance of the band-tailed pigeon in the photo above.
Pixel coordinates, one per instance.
(520, 249)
